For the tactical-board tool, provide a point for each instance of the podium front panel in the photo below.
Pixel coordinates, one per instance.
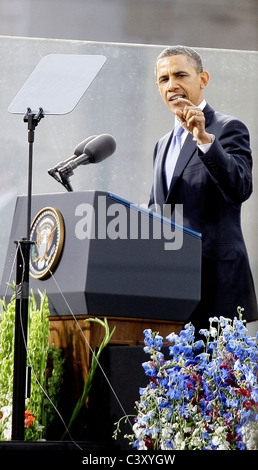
(107, 268)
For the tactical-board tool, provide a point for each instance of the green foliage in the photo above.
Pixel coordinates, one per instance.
(93, 367)
(46, 363)
(7, 317)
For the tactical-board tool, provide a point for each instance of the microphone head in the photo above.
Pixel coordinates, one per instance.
(80, 147)
(100, 148)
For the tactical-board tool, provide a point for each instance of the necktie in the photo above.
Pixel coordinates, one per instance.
(173, 152)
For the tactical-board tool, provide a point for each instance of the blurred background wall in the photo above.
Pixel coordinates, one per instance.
(230, 24)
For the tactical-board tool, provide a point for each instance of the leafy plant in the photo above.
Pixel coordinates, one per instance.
(94, 364)
(39, 411)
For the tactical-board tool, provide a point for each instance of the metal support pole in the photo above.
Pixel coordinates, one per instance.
(20, 340)
(22, 299)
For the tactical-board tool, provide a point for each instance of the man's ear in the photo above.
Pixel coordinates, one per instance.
(204, 79)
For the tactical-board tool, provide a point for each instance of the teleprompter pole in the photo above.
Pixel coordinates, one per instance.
(20, 339)
(22, 299)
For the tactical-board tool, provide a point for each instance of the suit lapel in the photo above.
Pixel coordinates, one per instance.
(160, 189)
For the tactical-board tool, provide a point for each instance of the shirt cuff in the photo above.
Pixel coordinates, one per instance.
(205, 147)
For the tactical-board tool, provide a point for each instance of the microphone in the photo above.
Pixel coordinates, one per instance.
(77, 152)
(95, 151)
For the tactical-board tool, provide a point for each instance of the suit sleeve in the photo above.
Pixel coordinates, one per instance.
(152, 199)
(229, 161)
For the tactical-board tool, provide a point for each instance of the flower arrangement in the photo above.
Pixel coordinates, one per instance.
(205, 396)
(39, 411)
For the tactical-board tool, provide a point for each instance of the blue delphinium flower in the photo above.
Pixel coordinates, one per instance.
(254, 394)
(152, 341)
(149, 368)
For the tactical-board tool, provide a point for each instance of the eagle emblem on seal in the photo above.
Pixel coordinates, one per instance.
(47, 235)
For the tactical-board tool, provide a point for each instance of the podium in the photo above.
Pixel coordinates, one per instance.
(97, 254)
(109, 263)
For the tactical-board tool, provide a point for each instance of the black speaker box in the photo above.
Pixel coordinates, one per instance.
(114, 392)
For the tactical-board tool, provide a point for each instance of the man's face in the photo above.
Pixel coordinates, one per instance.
(178, 78)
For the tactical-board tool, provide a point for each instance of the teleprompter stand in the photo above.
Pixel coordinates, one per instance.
(42, 85)
(22, 295)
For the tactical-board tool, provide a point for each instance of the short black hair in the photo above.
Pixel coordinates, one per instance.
(193, 56)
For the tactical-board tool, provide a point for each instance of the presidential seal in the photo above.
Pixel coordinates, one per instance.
(47, 235)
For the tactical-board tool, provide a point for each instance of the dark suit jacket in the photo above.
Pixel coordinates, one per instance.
(212, 187)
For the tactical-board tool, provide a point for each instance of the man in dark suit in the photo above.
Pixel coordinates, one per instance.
(211, 177)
